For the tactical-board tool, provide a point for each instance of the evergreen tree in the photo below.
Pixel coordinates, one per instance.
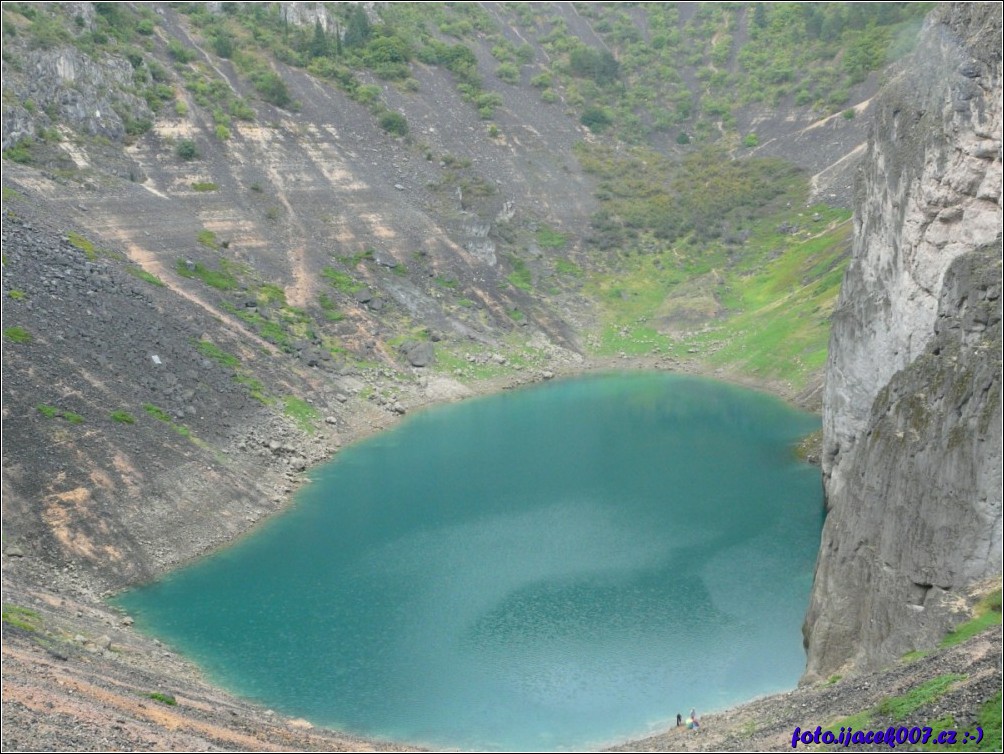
(357, 28)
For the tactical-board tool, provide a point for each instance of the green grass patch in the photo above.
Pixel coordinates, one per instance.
(986, 613)
(254, 387)
(331, 313)
(212, 351)
(341, 281)
(21, 617)
(550, 239)
(51, 412)
(271, 294)
(157, 413)
(85, 245)
(520, 277)
(271, 330)
(567, 268)
(17, 335)
(762, 308)
(990, 721)
(913, 656)
(899, 707)
(450, 284)
(9, 194)
(122, 417)
(207, 238)
(203, 186)
(16, 294)
(167, 699)
(221, 279)
(300, 412)
(147, 277)
(351, 260)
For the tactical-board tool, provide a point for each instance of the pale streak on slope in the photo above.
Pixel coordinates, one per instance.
(301, 290)
(853, 154)
(148, 261)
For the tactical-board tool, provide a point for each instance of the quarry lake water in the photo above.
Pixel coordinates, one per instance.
(550, 568)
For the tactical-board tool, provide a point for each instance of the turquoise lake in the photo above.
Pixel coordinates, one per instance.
(557, 567)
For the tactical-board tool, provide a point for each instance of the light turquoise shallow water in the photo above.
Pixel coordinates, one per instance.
(557, 567)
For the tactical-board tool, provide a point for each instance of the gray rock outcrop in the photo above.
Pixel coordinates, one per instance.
(912, 414)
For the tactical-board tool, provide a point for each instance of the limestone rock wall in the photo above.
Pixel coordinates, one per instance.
(912, 417)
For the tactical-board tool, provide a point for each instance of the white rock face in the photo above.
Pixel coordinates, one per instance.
(911, 414)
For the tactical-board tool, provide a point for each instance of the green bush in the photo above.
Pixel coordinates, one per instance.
(272, 89)
(122, 417)
(508, 72)
(595, 118)
(393, 122)
(598, 65)
(187, 150)
(179, 52)
(20, 152)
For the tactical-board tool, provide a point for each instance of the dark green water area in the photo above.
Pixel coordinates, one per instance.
(551, 568)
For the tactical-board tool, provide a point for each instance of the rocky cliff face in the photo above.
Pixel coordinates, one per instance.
(912, 414)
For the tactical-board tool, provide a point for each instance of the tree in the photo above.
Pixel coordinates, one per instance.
(357, 28)
(600, 66)
(319, 42)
